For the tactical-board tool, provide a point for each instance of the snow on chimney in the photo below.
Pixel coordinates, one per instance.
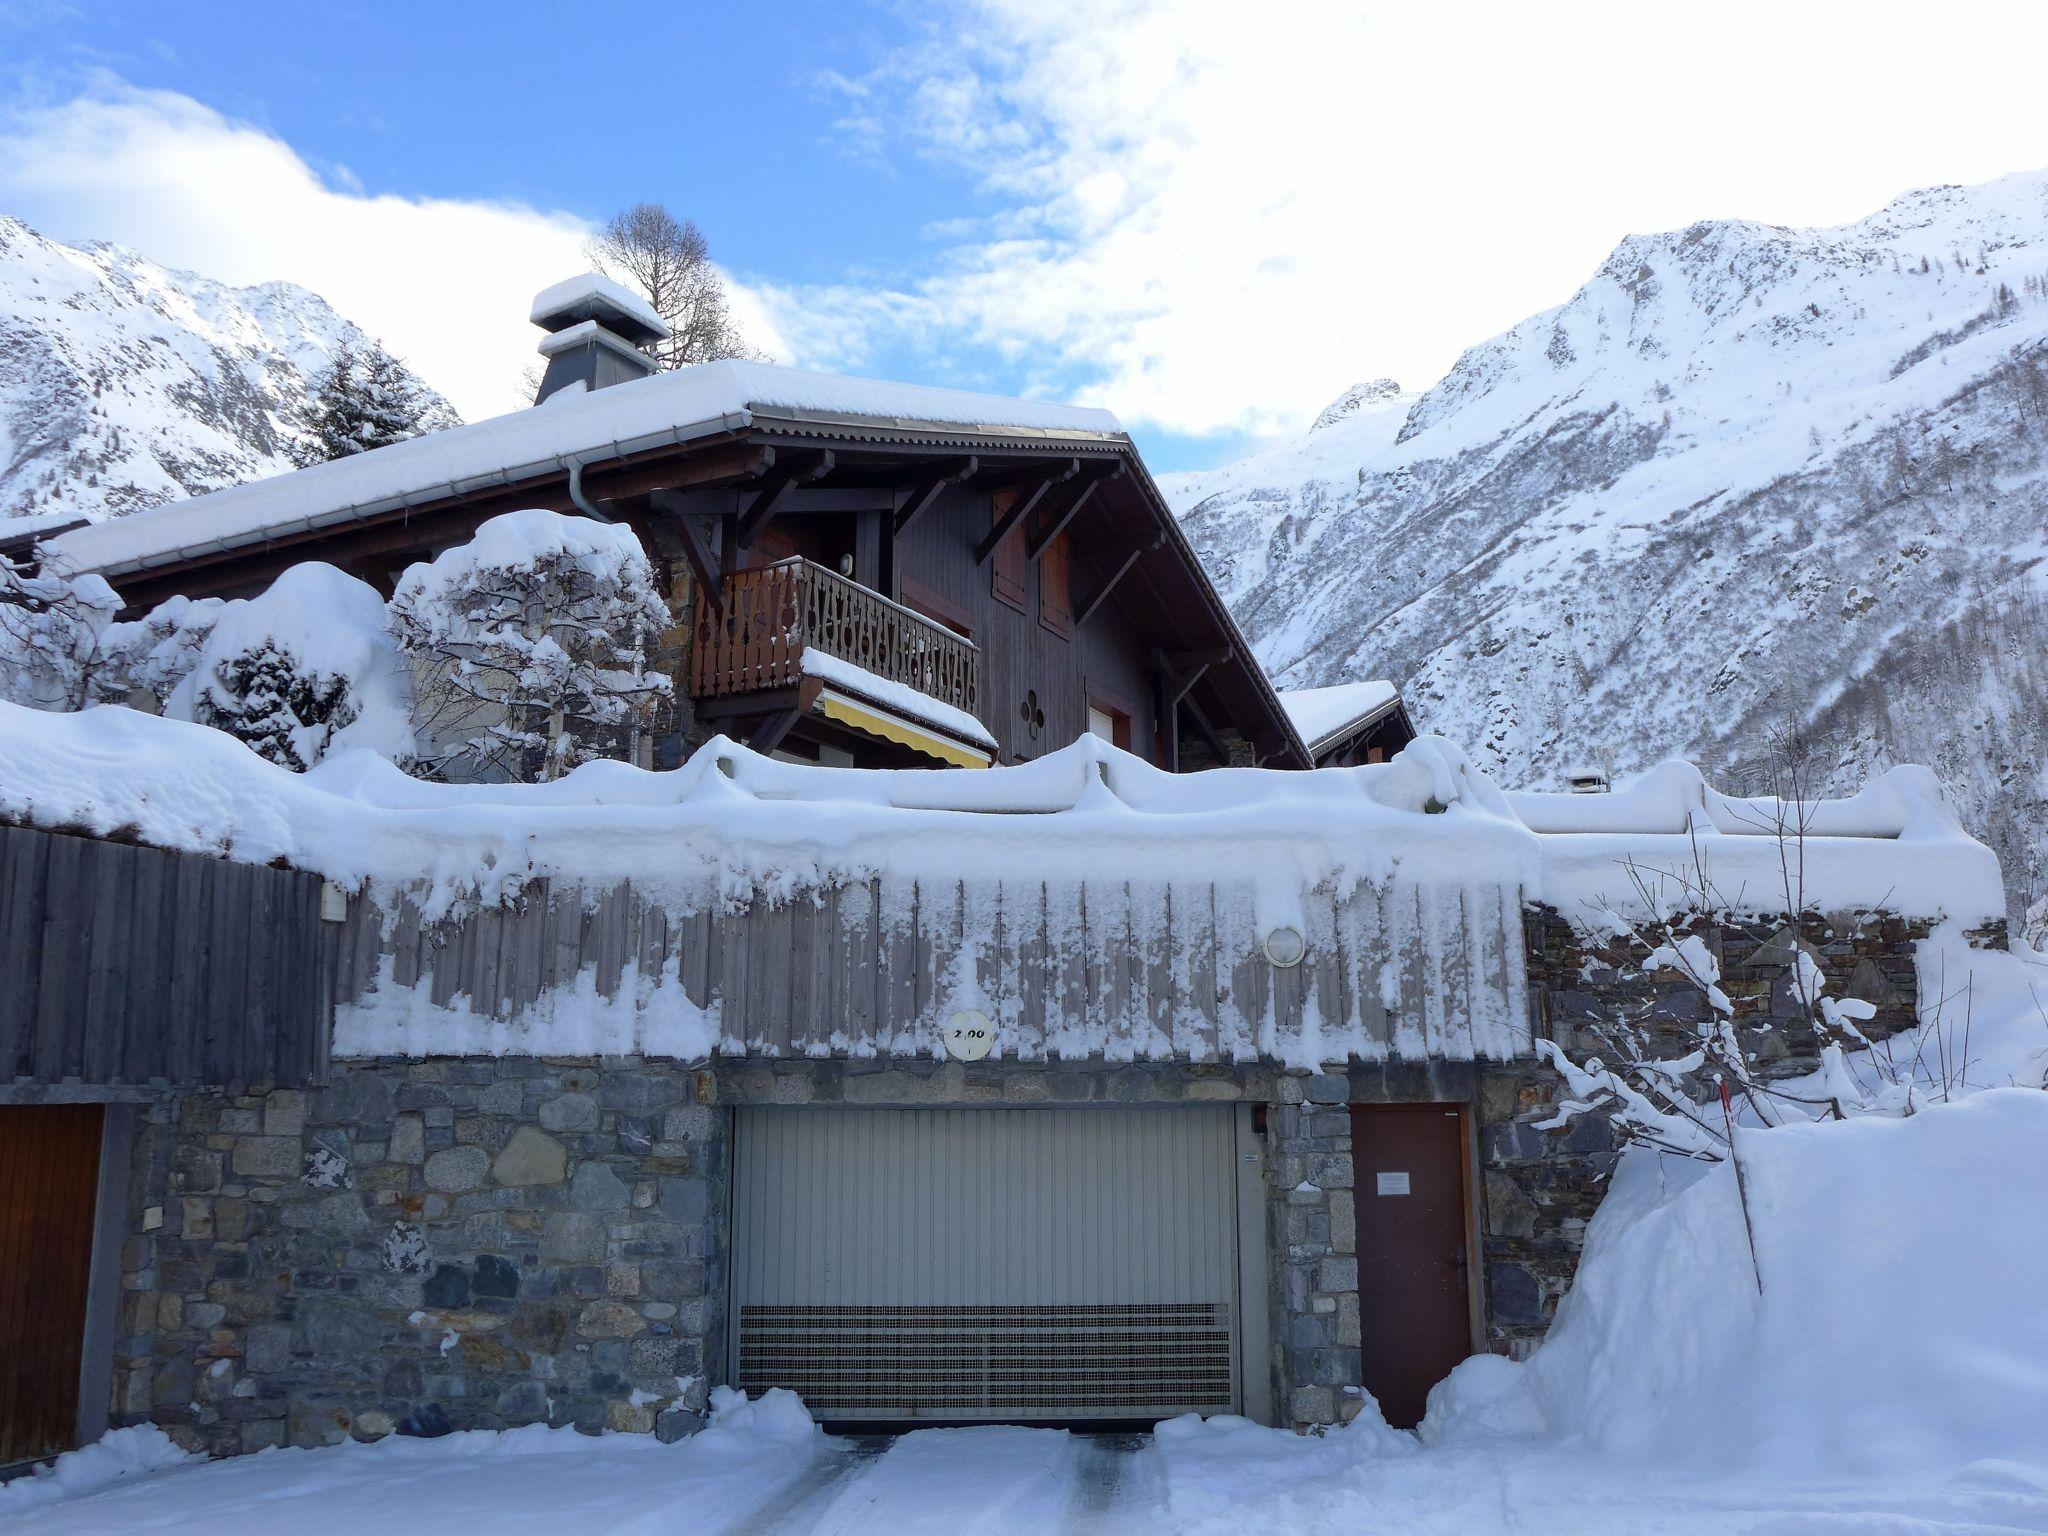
(596, 330)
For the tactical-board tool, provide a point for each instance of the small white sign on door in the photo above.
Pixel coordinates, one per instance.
(1393, 1183)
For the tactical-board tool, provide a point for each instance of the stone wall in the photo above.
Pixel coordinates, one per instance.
(426, 1245)
(480, 1244)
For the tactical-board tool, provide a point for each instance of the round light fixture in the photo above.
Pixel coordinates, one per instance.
(1284, 947)
(969, 1034)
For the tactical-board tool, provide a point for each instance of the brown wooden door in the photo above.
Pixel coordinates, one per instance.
(1414, 1312)
(49, 1181)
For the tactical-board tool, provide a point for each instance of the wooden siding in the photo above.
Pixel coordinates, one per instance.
(1135, 970)
(1023, 660)
(134, 966)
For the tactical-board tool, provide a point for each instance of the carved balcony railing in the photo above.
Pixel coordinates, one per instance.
(772, 615)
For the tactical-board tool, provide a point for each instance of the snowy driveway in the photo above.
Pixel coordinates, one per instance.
(962, 1482)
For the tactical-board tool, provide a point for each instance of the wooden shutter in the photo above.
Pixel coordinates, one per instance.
(1055, 608)
(1006, 569)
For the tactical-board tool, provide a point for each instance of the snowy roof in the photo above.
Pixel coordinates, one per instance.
(1321, 713)
(593, 296)
(665, 410)
(1086, 812)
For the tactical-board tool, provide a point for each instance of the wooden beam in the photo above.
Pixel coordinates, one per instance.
(1021, 509)
(769, 733)
(674, 509)
(1044, 537)
(1212, 656)
(950, 473)
(1101, 595)
(760, 512)
(1209, 732)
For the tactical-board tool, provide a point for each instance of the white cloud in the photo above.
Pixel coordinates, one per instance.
(1224, 213)
(444, 283)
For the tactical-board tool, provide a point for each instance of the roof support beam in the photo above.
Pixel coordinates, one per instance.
(950, 473)
(1209, 733)
(1041, 540)
(674, 515)
(1020, 509)
(769, 733)
(760, 512)
(1101, 595)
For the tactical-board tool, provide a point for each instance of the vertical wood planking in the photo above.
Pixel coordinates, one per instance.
(24, 862)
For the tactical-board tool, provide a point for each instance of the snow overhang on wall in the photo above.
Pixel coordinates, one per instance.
(1086, 904)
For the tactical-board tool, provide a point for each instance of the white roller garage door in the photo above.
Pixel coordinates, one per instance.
(990, 1263)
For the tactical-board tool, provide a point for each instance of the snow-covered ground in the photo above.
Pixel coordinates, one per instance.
(1220, 1477)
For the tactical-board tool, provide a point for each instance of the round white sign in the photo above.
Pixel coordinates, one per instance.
(969, 1035)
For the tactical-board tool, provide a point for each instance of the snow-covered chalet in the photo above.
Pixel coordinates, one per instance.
(912, 1026)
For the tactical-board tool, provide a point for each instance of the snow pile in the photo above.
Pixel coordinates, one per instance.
(118, 1454)
(589, 295)
(732, 820)
(306, 669)
(1899, 1324)
(900, 697)
(777, 1419)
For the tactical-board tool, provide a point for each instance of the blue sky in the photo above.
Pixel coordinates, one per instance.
(1210, 217)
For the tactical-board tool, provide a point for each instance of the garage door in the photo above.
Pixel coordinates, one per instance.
(976, 1264)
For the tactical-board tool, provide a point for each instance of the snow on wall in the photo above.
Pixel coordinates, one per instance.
(1100, 904)
(667, 408)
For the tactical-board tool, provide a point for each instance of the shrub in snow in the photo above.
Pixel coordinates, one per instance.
(51, 633)
(155, 653)
(306, 669)
(529, 647)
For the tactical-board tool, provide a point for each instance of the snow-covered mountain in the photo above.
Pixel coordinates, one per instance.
(124, 384)
(1747, 480)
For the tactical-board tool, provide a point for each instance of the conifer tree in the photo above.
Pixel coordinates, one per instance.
(364, 400)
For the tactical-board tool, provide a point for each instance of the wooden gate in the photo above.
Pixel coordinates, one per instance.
(49, 1179)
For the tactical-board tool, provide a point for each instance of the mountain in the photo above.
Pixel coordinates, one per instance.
(1752, 496)
(124, 384)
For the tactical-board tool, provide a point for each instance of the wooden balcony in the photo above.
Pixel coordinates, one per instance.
(772, 615)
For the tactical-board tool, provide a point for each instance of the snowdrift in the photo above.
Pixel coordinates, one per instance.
(1900, 1323)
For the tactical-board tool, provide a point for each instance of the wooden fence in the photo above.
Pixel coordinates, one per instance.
(122, 965)
(1130, 970)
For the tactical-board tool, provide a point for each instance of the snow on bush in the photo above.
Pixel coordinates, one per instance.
(305, 669)
(529, 647)
(155, 653)
(51, 629)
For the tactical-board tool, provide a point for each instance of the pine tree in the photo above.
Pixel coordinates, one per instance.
(270, 701)
(364, 400)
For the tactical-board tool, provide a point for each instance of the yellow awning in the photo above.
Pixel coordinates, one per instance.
(876, 721)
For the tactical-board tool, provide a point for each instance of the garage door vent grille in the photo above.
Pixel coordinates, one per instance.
(967, 1362)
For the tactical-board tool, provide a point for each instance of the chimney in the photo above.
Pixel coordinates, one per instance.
(596, 329)
(1588, 780)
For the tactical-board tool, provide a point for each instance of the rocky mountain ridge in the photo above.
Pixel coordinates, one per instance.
(1750, 491)
(125, 384)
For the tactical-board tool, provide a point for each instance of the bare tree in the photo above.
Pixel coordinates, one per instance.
(668, 261)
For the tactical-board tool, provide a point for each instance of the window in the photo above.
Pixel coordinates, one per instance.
(1055, 609)
(1006, 569)
(1110, 719)
(920, 598)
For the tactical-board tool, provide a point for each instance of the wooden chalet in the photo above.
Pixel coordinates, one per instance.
(862, 574)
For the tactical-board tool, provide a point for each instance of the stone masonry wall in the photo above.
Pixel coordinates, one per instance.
(478, 1244)
(426, 1245)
